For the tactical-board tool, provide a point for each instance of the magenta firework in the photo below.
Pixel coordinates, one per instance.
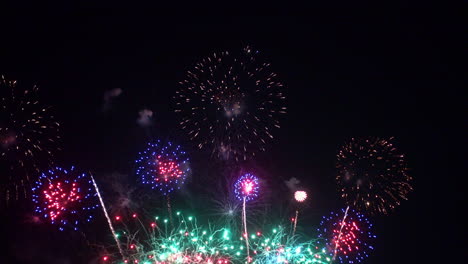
(246, 187)
(348, 235)
(65, 197)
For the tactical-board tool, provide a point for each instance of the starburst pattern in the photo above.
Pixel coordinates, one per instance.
(163, 166)
(372, 175)
(65, 197)
(348, 235)
(29, 137)
(231, 104)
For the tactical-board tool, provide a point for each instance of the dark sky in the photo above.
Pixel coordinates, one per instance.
(349, 70)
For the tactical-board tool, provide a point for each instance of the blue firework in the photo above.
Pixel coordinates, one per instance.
(348, 235)
(163, 166)
(246, 187)
(65, 197)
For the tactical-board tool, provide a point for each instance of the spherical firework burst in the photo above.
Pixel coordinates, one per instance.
(163, 166)
(372, 175)
(28, 137)
(65, 197)
(300, 196)
(246, 187)
(348, 235)
(231, 104)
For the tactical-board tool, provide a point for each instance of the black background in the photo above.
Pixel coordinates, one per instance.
(350, 69)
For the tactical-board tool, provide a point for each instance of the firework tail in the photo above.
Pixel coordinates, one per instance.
(246, 234)
(107, 216)
(339, 234)
(169, 210)
(295, 221)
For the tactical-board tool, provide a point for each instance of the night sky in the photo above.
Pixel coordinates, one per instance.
(348, 71)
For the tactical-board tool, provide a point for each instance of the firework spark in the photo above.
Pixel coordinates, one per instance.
(231, 104)
(348, 235)
(279, 247)
(372, 175)
(163, 166)
(300, 196)
(189, 242)
(65, 197)
(246, 187)
(28, 137)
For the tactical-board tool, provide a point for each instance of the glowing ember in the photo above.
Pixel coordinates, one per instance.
(300, 196)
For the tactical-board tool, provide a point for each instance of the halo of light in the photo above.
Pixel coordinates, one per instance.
(300, 196)
(186, 240)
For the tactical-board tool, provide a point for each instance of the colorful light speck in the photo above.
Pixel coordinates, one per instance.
(231, 103)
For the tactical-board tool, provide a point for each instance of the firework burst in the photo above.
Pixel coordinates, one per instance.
(65, 197)
(348, 235)
(231, 104)
(246, 187)
(28, 137)
(372, 175)
(163, 166)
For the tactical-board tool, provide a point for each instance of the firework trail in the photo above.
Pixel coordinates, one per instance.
(107, 217)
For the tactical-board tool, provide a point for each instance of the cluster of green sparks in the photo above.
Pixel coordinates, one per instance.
(165, 243)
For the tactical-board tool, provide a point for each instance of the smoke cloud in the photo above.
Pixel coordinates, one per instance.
(145, 118)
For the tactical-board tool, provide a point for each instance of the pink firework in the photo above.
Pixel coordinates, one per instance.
(65, 197)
